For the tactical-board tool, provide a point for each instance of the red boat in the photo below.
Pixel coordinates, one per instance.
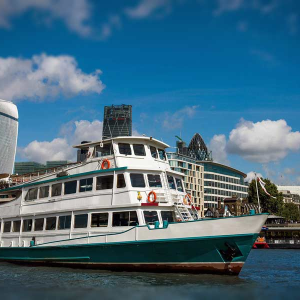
(260, 243)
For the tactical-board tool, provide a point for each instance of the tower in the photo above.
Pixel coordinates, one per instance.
(8, 135)
(117, 121)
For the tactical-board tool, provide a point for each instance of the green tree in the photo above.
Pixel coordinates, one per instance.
(290, 212)
(267, 203)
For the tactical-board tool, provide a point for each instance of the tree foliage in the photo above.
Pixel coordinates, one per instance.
(290, 212)
(267, 203)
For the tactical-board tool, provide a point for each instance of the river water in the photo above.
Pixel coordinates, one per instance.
(267, 274)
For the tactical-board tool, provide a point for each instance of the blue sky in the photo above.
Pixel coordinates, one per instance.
(228, 69)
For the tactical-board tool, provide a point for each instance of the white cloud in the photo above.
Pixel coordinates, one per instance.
(74, 13)
(61, 148)
(251, 176)
(114, 22)
(145, 8)
(263, 141)
(175, 120)
(228, 6)
(45, 76)
(218, 147)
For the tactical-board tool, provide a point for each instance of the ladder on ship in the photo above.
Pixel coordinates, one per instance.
(183, 212)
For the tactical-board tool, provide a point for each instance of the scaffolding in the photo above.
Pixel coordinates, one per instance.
(117, 121)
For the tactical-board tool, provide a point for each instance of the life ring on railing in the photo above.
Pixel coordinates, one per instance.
(187, 200)
(105, 164)
(153, 198)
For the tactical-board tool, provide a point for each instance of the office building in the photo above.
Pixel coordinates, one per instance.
(8, 135)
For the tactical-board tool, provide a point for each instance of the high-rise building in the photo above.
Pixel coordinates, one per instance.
(22, 168)
(117, 121)
(8, 135)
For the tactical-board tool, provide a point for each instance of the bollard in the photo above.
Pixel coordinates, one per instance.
(165, 224)
(252, 212)
(156, 224)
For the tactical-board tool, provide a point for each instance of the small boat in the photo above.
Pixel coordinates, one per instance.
(260, 243)
(122, 208)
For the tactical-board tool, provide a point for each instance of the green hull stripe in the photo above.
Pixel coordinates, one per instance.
(83, 258)
(63, 178)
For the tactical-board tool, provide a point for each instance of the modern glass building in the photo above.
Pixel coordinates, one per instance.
(27, 167)
(8, 135)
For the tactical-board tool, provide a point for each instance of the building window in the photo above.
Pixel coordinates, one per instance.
(56, 190)
(64, 222)
(7, 226)
(124, 149)
(179, 185)
(154, 180)
(27, 225)
(153, 152)
(51, 223)
(70, 187)
(81, 221)
(139, 149)
(44, 192)
(99, 220)
(167, 216)
(150, 217)
(16, 226)
(86, 185)
(121, 181)
(125, 218)
(105, 182)
(162, 154)
(171, 182)
(137, 180)
(31, 194)
(39, 224)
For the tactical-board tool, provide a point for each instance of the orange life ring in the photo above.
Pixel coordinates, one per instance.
(105, 164)
(154, 197)
(187, 199)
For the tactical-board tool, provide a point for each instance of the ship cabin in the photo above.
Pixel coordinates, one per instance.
(120, 182)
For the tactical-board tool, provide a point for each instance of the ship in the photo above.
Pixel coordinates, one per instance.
(122, 208)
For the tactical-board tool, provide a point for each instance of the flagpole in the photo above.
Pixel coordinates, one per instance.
(257, 194)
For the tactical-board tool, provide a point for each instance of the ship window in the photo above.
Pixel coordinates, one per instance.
(81, 221)
(121, 181)
(86, 185)
(125, 218)
(179, 185)
(167, 216)
(99, 220)
(154, 180)
(31, 194)
(153, 152)
(139, 149)
(38, 224)
(64, 222)
(105, 182)
(137, 180)
(70, 187)
(124, 149)
(56, 190)
(27, 225)
(106, 150)
(51, 223)
(44, 192)
(171, 182)
(7, 226)
(162, 154)
(16, 226)
(150, 217)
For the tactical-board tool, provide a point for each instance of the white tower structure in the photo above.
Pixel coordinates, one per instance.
(8, 135)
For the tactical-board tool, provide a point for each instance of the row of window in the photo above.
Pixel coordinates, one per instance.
(224, 178)
(216, 198)
(102, 183)
(225, 186)
(124, 218)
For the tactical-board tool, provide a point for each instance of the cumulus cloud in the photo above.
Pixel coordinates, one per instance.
(145, 8)
(74, 13)
(218, 147)
(61, 148)
(263, 141)
(45, 76)
(175, 120)
(251, 176)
